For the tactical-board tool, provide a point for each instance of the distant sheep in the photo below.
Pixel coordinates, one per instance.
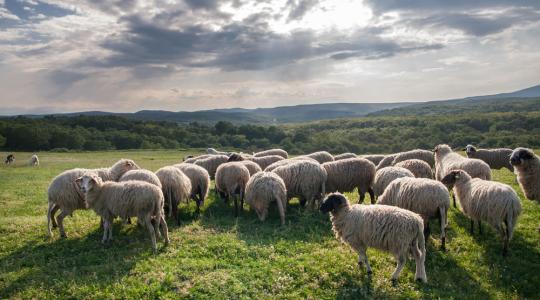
(419, 168)
(385, 176)
(345, 156)
(176, 186)
(9, 159)
(420, 154)
(191, 159)
(278, 152)
(287, 161)
(231, 180)
(347, 174)
(64, 194)
(34, 161)
(374, 158)
(263, 161)
(387, 161)
(496, 158)
(321, 156)
(383, 227)
(125, 199)
(264, 188)
(213, 151)
(211, 163)
(200, 182)
(483, 200)
(527, 168)
(427, 197)
(303, 179)
(141, 175)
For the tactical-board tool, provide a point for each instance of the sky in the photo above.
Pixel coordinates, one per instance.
(127, 55)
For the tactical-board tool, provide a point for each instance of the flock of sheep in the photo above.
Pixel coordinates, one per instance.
(407, 190)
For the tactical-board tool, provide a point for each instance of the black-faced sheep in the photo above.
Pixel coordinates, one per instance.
(527, 168)
(231, 180)
(496, 158)
(347, 174)
(264, 188)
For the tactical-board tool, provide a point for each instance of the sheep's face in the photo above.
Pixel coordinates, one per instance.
(442, 149)
(451, 178)
(469, 149)
(520, 156)
(332, 202)
(87, 182)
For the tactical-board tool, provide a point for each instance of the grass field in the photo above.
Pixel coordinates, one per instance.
(217, 256)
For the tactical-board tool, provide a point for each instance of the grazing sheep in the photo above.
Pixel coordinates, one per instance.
(483, 200)
(420, 154)
(427, 197)
(419, 168)
(211, 163)
(176, 186)
(125, 199)
(304, 179)
(496, 158)
(262, 162)
(447, 160)
(264, 188)
(200, 182)
(386, 175)
(213, 151)
(141, 175)
(9, 159)
(278, 152)
(287, 161)
(321, 156)
(387, 161)
(374, 158)
(34, 161)
(383, 227)
(231, 180)
(191, 159)
(347, 174)
(345, 156)
(527, 168)
(63, 193)
(252, 167)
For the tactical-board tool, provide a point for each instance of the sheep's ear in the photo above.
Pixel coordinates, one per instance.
(129, 163)
(78, 181)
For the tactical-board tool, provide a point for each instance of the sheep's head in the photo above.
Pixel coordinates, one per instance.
(521, 156)
(187, 157)
(88, 181)
(469, 149)
(235, 157)
(451, 178)
(332, 202)
(442, 149)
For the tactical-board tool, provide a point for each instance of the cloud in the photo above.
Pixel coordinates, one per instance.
(299, 8)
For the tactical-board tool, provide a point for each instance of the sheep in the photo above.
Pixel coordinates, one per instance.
(347, 174)
(9, 159)
(527, 168)
(211, 163)
(374, 158)
(125, 199)
(200, 182)
(383, 227)
(213, 151)
(288, 161)
(231, 180)
(264, 188)
(446, 160)
(385, 176)
(345, 156)
(252, 167)
(496, 158)
(321, 156)
(64, 195)
(191, 159)
(419, 168)
(278, 152)
(427, 197)
(263, 161)
(34, 161)
(420, 154)
(304, 179)
(483, 200)
(141, 175)
(387, 161)
(176, 186)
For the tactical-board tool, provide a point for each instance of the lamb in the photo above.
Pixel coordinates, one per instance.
(321, 156)
(447, 160)
(278, 152)
(374, 158)
(288, 161)
(264, 188)
(141, 175)
(527, 168)
(63, 193)
(176, 186)
(200, 182)
(345, 156)
(213, 151)
(263, 161)
(211, 163)
(420, 154)
(231, 180)
(419, 168)
(483, 200)
(304, 179)
(427, 197)
(386, 175)
(34, 161)
(347, 174)
(387, 161)
(496, 158)
(125, 199)
(383, 227)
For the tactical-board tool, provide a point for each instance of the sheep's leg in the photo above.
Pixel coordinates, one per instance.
(361, 196)
(165, 230)
(49, 217)
(454, 198)
(53, 211)
(401, 259)
(442, 221)
(427, 230)
(148, 222)
(111, 223)
(506, 235)
(60, 220)
(363, 259)
(480, 227)
(170, 203)
(235, 206)
(241, 200)
(472, 227)
(281, 210)
(176, 214)
(371, 195)
(419, 257)
(105, 231)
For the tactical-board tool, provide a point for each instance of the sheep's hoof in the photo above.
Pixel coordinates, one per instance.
(63, 235)
(394, 281)
(443, 248)
(418, 279)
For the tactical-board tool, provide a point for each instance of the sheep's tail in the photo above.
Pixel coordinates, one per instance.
(511, 218)
(49, 216)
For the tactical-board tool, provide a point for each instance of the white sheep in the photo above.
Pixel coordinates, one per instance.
(383, 227)
(484, 200)
(385, 176)
(347, 174)
(496, 158)
(264, 188)
(278, 152)
(345, 156)
(387, 161)
(374, 158)
(420, 154)
(321, 156)
(303, 179)
(231, 180)
(141, 175)
(176, 186)
(419, 168)
(34, 161)
(125, 199)
(211, 163)
(427, 197)
(287, 161)
(200, 182)
(190, 159)
(63, 194)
